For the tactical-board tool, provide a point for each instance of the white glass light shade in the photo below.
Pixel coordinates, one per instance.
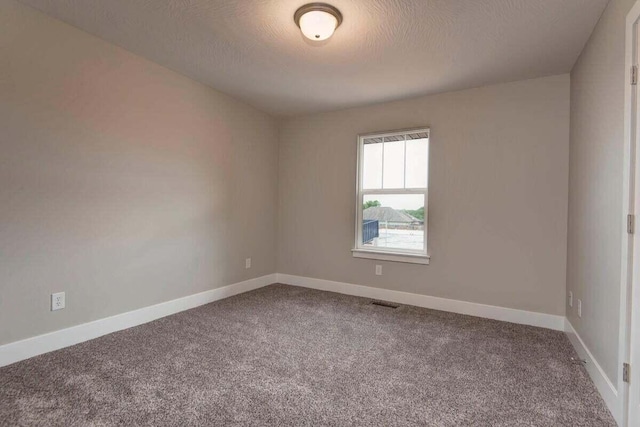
(318, 25)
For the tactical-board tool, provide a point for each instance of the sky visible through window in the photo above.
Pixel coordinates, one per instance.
(384, 167)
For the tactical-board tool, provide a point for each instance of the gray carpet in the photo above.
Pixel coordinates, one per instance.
(287, 356)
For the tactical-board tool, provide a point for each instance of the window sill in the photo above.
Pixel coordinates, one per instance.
(391, 256)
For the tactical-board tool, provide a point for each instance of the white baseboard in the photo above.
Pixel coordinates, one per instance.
(542, 320)
(21, 350)
(30, 347)
(604, 385)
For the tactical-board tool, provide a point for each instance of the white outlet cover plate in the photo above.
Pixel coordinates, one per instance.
(579, 308)
(57, 301)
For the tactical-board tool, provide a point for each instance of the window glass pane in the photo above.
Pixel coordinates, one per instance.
(393, 166)
(417, 163)
(372, 166)
(393, 221)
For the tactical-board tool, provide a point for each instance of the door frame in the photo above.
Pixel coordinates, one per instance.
(630, 265)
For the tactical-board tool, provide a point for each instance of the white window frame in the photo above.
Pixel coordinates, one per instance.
(385, 254)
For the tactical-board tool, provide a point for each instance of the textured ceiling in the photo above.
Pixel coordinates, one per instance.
(384, 50)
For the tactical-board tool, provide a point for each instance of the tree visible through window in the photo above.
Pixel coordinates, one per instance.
(393, 170)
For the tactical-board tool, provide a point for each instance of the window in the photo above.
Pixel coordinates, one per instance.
(391, 206)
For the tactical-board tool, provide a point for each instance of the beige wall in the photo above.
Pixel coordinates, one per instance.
(123, 183)
(497, 197)
(595, 186)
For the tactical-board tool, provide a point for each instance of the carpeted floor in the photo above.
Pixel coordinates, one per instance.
(287, 356)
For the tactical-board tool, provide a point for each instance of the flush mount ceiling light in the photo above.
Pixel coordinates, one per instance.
(317, 21)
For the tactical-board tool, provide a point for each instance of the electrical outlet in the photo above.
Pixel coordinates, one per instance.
(57, 301)
(579, 308)
(247, 263)
(570, 299)
(378, 270)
